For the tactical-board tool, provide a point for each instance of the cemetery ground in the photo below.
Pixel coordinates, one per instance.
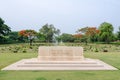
(109, 53)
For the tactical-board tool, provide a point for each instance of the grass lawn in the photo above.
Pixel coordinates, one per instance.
(112, 58)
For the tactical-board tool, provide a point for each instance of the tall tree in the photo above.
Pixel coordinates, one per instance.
(78, 37)
(118, 34)
(83, 31)
(41, 37)
(89, 34)
(92, 33)
(30, 34)
(49, 31)
(4, 30)
(13, 36)
(106, 32)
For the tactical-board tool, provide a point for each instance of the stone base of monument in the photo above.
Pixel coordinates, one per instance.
(60, 58)
(34, 64)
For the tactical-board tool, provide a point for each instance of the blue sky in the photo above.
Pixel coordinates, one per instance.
(66, 15)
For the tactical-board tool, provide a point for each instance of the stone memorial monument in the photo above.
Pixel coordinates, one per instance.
(60, 53)
(59, 58)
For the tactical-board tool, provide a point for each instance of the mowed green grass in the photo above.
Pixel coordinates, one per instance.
(9, 58)
(110, 58)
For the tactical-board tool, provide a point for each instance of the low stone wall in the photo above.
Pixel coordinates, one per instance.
(60, 53)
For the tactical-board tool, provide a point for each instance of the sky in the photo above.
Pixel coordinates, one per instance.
(66, 15)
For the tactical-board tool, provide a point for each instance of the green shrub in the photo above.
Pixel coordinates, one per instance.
(96, 50)
(15, 51)
(31, 47)
(105, 50)
(24, 51)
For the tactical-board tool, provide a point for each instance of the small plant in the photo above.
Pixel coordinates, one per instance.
(31, 47)
(17, 48)
(15, 51)
(24, 51)
(96, 50)
(9, 48)
(2, 49)
(90, 47)
(105, 50)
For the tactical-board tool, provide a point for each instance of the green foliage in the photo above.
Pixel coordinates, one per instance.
(106, 32)
(83, 30)
(49, 31)
(67, 37)
(96, 50)
(30, 35)
(13, 37)
(4, 30)
(90, 34)
(118, 34)
(26, 48)
(24, 51)
(41, 37)
(105, 50)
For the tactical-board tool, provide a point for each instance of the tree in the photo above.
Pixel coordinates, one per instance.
(83, 31)
(49, 31)
(41, 37)
(30, 34)
(67, 37)
(92, 33)
(4, 30)
(106, 32)
(78, 37)
(89, 34)
(118, 34)
(13, 36)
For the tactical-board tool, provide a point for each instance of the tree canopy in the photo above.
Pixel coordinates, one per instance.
(49, 31)
(118, 34)
(65, 37)
(106, 32)
(90, 34)
(4, 29)
(30, 34)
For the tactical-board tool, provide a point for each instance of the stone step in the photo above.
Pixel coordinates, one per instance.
(21, 65)
(60, 65)
(62, 62)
